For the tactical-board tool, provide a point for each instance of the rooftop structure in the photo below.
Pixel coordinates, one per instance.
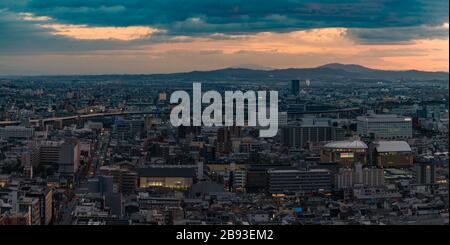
(392, 146)
(347, 144)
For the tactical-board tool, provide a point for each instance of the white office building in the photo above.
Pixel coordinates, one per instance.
(385, 126)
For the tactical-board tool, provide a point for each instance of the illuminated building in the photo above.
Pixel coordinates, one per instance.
(162, 96)
(4, 179)
(345, 153)
(169, 177)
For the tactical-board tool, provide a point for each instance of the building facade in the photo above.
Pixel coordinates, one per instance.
(306, 133)
(384, 126)
(296, 181)
(345, 153)
(393, 154)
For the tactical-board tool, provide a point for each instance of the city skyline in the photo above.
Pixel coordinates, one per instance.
(251, 115)
(85, 37)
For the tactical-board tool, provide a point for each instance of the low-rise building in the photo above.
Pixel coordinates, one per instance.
(345, 153)
(393, 154)
(290, 181)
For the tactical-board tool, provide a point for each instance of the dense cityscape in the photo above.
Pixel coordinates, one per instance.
(100, 150)
(207, 121)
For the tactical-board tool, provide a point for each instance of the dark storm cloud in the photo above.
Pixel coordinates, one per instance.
(376, 21)
(24, 37)
(240, 16)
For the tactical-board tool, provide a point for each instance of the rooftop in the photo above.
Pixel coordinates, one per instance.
(391, 146)
(349, 144)
(383, 118)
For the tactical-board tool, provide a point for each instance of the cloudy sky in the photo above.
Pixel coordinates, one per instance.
(161, 36)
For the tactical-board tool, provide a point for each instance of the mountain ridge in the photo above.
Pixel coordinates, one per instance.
(329, 71)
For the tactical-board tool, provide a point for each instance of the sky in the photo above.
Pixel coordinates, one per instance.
(49, 37)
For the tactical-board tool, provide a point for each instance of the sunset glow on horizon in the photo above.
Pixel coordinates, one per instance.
(54, 39)
(83, 32)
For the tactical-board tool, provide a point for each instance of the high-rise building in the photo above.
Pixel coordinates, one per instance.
(30, 160)
(425, 173)
(224, 140)
(295, 87)
(128, 182)
(125, 179)
(65, 155)
(310, 132)
(345, 179)
(372, 177)
(31, 206)
(69, 157)
(45, 197)
(101, 184)
(358, 176)
(236, 177)
(49, 152)
(30, 157)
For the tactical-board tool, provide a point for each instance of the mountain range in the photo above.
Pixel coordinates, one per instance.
(333, 71)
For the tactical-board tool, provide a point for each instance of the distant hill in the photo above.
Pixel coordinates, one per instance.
(334, 71)
(253, 67)
(386, 74)
(329, 71)
(348, 68)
